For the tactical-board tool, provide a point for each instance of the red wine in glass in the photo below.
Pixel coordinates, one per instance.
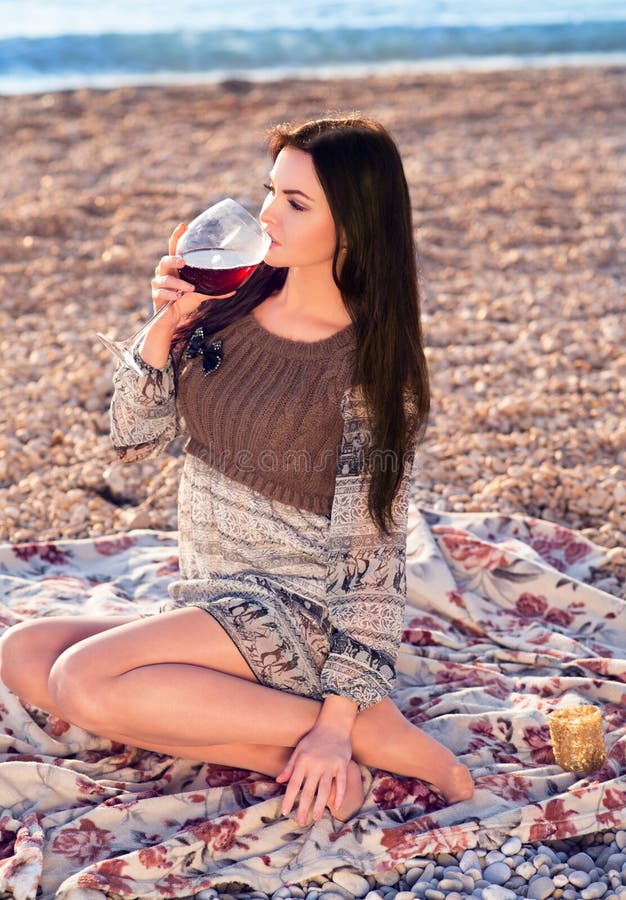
(217, 271)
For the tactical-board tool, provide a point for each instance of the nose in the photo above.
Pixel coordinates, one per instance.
(266, 215)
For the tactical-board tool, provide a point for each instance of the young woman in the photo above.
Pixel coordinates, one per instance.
(303, 400)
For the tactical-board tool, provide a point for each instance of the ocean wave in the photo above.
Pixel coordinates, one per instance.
(232, 50)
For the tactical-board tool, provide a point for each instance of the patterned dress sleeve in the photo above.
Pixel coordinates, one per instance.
(143, 411)
(366, 578)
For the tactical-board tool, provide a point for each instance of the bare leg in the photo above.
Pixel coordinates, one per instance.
(28, 652)
(116, 683)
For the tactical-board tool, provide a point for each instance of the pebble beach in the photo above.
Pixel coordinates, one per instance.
(518, 184)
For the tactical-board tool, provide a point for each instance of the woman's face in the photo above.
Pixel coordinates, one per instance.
(296, 214)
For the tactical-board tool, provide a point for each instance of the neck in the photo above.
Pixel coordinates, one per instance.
(309, 292)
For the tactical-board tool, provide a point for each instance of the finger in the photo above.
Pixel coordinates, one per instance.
(340, 788)
(306, 801)
(175, 236)
(162, 297)
(169, 265)
(170, 282)
(289, 767)
(295, 783)
(323, 793)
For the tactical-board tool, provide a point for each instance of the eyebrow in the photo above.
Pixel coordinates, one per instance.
(292, 191)
(302, 194)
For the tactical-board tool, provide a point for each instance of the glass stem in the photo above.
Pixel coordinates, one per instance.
(139, 335)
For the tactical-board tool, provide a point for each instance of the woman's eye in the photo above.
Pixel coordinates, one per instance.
(293, 203)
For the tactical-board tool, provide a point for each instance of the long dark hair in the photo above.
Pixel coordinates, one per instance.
(361, 172)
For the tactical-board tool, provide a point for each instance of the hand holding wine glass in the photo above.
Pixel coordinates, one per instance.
(216, 254)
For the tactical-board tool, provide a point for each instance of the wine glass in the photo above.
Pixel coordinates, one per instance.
(221, 248)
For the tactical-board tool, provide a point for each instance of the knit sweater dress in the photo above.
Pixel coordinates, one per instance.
(285, 557)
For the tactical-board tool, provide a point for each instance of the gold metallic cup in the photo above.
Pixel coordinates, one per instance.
(577, 738)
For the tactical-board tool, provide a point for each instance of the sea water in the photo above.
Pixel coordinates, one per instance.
(51, 44)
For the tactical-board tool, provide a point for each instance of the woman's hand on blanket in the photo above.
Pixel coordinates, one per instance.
(318, 763)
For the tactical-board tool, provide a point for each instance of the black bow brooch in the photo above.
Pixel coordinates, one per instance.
(212, 354)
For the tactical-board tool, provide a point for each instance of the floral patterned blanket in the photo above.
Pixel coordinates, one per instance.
(502, 626)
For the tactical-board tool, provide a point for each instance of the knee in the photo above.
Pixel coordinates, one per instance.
(75, 689)
(18, 650)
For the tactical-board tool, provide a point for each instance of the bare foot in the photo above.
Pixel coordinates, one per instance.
(353, 799)
(458, 784)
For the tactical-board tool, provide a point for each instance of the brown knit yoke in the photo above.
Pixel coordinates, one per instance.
(270, 415)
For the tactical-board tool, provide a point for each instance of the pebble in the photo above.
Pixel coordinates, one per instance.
(616, 861)
(620, 840)
(526, 870)
(450, 884)
(540, 888)
(467, 881)
(411, 876)
(497, 873)
(392, 877)
(434, 894)
(512, 846)
(602, 858)
(579, 878)
(428, 873)
(582, 861)
(469, 860)
(595, 890)
(497, 892)
(353, 882)
(549, 852)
